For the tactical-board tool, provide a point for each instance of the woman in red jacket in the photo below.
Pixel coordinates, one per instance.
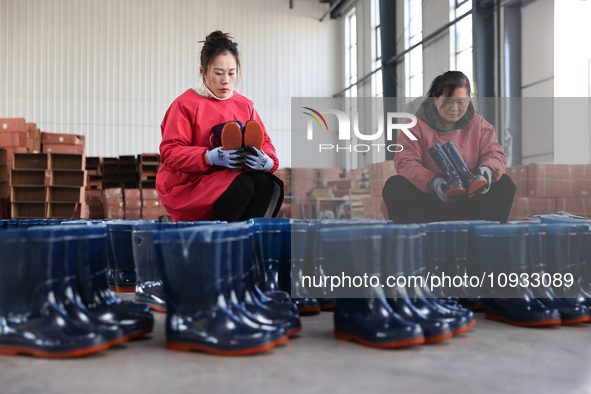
(421, 191)
(200, 179)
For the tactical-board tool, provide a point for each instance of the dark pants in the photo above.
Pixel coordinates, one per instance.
(247, 197)
(407, 204)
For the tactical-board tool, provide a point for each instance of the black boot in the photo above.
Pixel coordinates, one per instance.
(454, 187)
(472, 182)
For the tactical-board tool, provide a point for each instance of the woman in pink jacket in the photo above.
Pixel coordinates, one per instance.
(201, 178)
(421, 192)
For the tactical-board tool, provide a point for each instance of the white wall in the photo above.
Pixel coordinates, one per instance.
(109, 69)
(537, 81)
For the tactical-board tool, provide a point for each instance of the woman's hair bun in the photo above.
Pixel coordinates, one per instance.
(217, 35)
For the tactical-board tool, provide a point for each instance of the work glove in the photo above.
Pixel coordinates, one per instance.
(486, 172)
(439, 185)
(257, 159)
(231, 159)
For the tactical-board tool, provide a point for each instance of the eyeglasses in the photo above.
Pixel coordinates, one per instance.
(460, 101)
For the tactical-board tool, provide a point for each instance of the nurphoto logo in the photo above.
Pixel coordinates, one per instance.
(344, 130)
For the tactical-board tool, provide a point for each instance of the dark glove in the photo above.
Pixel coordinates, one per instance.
(231, 159)
(257, 159)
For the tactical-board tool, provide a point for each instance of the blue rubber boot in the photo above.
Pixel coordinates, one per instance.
(502, 249)
(398, 249)
(32, 323)
(229, 134)
(65, 290)
(198, 316)
(459, 319)
(135, 320)
(121, 244)
(306, 304)
(472, 182)
(148, 288)
(434, 250)
(240, 290)
(370, 321)
(571, 312)
(268, 244)
(454, 186)
(565, 243)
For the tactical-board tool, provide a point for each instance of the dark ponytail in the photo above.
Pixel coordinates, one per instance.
(218, 43)
(446, 83)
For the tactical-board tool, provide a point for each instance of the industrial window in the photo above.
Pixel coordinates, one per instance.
(351, 52)
(460, 35)
(413, 34)
(377, 88)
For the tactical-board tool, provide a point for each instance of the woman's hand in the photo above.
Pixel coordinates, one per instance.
(486, 172)
(439, 185)
(257, 159)
(231, 159)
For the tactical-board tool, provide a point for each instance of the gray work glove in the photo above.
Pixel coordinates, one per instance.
(257, 159)
(439, 185)
(486, 172)
(231, 159)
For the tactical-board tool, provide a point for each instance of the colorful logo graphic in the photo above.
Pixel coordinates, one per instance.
(315, 118)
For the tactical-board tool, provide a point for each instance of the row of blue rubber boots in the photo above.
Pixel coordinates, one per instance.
(54, 298)
(213, 302)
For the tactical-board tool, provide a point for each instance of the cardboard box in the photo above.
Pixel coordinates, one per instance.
(550, 180)
(133, 214)
(66, 194)
(150, 194)
(518, 175)
(576, 205)
(69, 210)
(376, 186)
(28, 177)
(62, 139)
(4, 190)
(528, 206)
(13, 124)
(132, 194)
(28, 194)
(61, 161)
(27, 210)
(383, 170)
(13, 139)
(30, 161)
(68, 178)
(70, 149)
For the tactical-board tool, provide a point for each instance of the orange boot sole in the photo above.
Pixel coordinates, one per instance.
(253, 134)
(231, 136)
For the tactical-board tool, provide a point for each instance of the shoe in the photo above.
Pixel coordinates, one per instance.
(199, 317)
(229, 134)
(33, 323)
(455, 186)
(253, 134)
(503, 247)
(472, 182)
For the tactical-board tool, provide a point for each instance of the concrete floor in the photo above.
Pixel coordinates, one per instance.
(491, 357)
